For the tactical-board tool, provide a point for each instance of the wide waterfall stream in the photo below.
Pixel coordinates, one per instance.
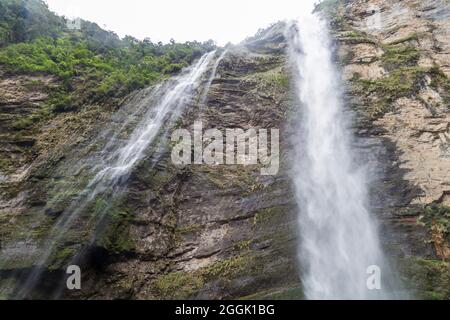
(339, 245)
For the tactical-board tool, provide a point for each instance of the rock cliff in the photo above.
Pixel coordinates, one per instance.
(216, 232)
(394, 57)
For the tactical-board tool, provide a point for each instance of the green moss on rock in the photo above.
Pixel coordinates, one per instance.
(270, 215)
(354, 37)
(274, 78)
(115, 237)
(400, 56)
(60, 257)
(403, 82)
(184, 285)
(177, 285)
(228, 268)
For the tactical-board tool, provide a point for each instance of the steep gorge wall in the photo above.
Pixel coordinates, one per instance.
(213, 231)
(193, 232)
(227, 231)
(395, 61)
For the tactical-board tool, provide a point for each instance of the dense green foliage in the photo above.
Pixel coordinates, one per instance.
(22, 20)
(109, 74)
(93, 65)
(426, 279)
(437, 215)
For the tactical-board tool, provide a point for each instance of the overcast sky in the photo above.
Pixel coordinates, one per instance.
(223, 21)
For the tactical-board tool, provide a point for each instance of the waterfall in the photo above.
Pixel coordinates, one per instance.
(149, 119)
(211, 78)
(338, 238)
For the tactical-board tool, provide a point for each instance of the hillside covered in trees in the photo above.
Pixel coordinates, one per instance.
(92, 64)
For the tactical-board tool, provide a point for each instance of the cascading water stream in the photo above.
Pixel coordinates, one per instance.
(338, 238)
(211, 78)
(115, 162)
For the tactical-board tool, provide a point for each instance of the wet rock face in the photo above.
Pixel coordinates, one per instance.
(19, 97)
(394, 57)
(221, 231)
(199, 231)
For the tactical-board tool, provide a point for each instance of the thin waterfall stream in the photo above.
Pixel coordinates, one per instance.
(339, 242)
(155, 111)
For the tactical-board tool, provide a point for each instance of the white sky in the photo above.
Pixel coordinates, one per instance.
(160, 20)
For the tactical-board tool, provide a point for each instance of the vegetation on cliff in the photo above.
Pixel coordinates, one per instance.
(93, 65)
(23, 20)
(437, 220)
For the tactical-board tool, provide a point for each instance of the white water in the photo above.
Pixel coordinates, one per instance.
(338, 238)
(115, 162)
(211, 78)
(120, 161)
